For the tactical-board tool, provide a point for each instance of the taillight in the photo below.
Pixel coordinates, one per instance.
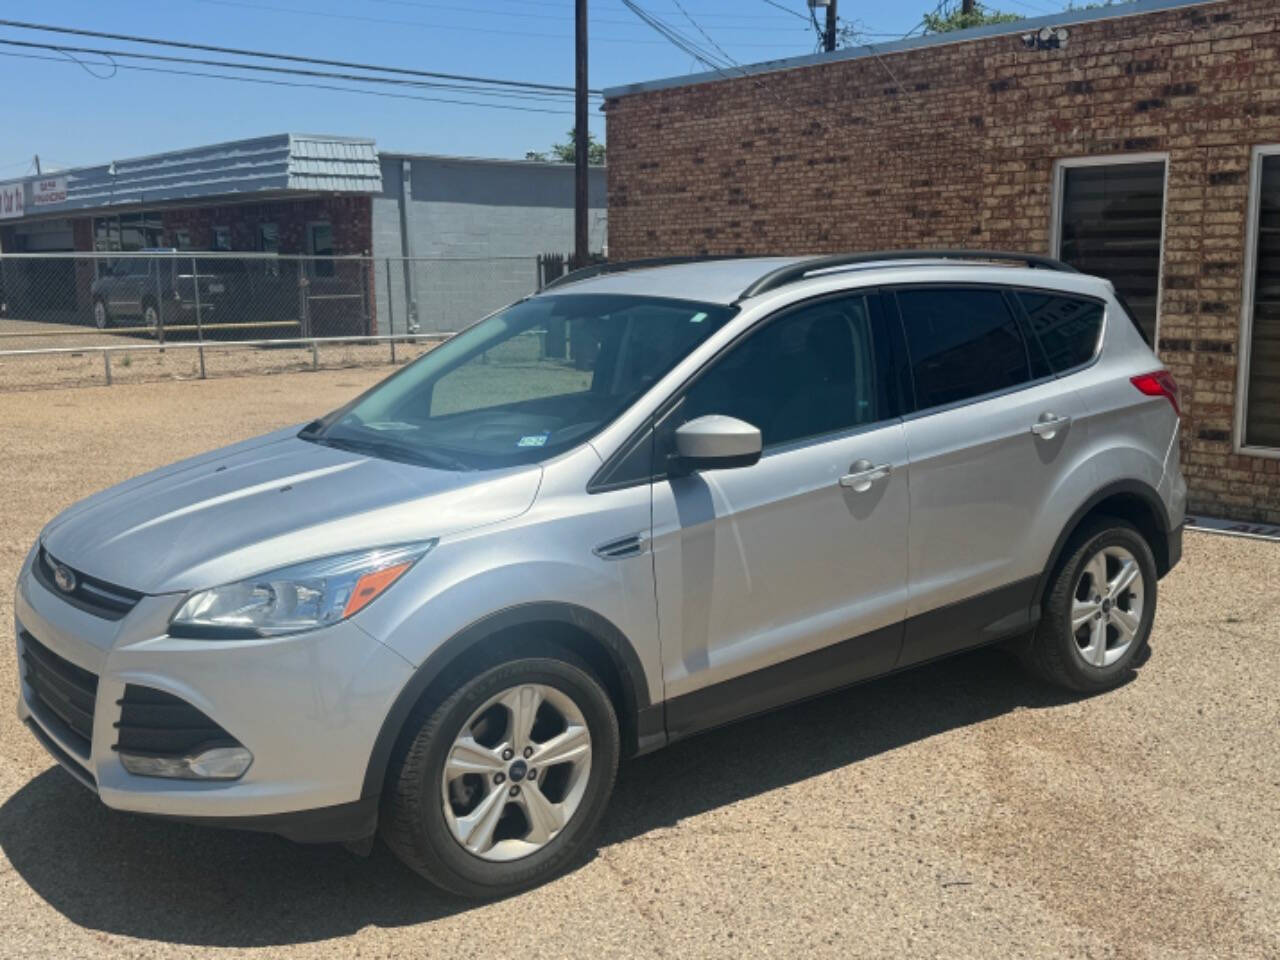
(1159, 383)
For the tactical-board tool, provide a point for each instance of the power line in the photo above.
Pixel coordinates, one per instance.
(484, 31)
(306, 86)
(794, 13)
(567, 9)
(293, 71)
(771, 24)
(293, 58)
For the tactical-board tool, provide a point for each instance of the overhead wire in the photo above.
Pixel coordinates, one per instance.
(293, 58)
(294, 71)
(308, 86)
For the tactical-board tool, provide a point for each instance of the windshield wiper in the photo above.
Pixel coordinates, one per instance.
(393, 451)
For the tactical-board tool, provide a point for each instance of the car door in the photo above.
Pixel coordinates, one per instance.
(788, 577)
(992, 438)
(125, 296)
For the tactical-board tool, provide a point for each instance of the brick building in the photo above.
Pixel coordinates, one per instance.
(1139, 141)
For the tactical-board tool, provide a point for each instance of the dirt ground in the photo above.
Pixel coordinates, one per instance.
(959, 810)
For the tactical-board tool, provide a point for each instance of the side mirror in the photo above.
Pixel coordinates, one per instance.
(715, 442)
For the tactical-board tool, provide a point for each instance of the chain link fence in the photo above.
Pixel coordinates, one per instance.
(88, 318)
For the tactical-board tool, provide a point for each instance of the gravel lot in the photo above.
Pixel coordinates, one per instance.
(956, 811)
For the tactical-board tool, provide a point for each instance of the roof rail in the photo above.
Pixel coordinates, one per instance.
(798, 271)
(618, 266)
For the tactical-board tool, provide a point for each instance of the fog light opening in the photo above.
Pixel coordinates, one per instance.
(211, 763)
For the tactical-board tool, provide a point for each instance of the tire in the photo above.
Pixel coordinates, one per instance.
(427, 837)
(101, 316)
(1076, 659)
(151, 318)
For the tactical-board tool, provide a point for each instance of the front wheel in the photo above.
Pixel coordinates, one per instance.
(151, 319)
(1097, 616)
(505, 781)
(101, 319)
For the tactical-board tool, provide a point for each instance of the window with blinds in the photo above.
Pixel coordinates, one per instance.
(1262, 415)
(1110, 224)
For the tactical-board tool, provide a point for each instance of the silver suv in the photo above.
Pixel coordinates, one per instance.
(649, 500)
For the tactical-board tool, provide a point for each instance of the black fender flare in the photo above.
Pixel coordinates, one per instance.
(644, 719)
(1129, 488)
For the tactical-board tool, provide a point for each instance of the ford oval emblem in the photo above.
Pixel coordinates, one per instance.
(64, 578)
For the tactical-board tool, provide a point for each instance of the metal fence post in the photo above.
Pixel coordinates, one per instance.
(391, 316)
(195, 282)
(366, 268)
(159, 304)
(304, 315)
(315, 355)
(106, 365)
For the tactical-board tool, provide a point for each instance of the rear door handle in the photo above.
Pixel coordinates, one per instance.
(864, 475)
(1049, 425)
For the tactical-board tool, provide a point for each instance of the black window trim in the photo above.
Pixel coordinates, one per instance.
(883, 339)
(917, 411)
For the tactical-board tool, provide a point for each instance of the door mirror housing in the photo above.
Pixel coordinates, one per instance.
(715, 442)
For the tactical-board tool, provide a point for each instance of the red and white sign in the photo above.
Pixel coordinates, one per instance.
(11, 200)
(48, 190)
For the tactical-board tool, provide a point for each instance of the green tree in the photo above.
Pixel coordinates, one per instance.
(563, 152)
(945, 21)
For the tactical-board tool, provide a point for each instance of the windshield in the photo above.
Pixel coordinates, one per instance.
(524, 384)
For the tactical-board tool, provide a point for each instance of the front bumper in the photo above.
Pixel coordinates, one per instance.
(309, 707)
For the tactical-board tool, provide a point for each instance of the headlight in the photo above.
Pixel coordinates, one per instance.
(292, 599)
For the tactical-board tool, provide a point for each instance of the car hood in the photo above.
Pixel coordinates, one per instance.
(268, 502)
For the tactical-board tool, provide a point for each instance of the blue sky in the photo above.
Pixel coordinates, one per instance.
(57, 109)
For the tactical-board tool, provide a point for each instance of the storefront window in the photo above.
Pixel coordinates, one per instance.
(221, 238)
(320, 244)
(268, 238)
(126, 232)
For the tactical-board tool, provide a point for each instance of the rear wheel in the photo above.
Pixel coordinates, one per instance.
(150, 318)
(1097, 617)
(504, 782)
(101, 318)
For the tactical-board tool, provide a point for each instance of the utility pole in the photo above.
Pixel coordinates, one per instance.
(829, 37)
(581, 139)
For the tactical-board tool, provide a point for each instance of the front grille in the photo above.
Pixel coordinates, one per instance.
(155, 722)
(90, 594)
(64, 693)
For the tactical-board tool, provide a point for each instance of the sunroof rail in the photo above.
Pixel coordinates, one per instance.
(620, 266)
(799, 271)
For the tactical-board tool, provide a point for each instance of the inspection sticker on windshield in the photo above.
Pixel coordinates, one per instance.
(698, 317)
(536, 440)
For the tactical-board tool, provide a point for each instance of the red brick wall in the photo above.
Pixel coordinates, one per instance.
(954, 145)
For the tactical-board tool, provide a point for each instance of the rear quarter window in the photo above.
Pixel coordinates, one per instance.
(1067, 327)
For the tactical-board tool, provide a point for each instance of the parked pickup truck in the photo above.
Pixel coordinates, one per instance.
(155, 289)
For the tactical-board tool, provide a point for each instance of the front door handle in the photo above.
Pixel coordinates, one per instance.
(864, 475)
(1049, 425)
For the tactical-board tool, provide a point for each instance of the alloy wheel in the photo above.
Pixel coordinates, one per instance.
(516, 772)
(1107, 604)
(100, 315)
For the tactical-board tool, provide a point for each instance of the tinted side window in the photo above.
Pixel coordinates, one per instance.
(962, 343)
(1067, 328)
(805, 374)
